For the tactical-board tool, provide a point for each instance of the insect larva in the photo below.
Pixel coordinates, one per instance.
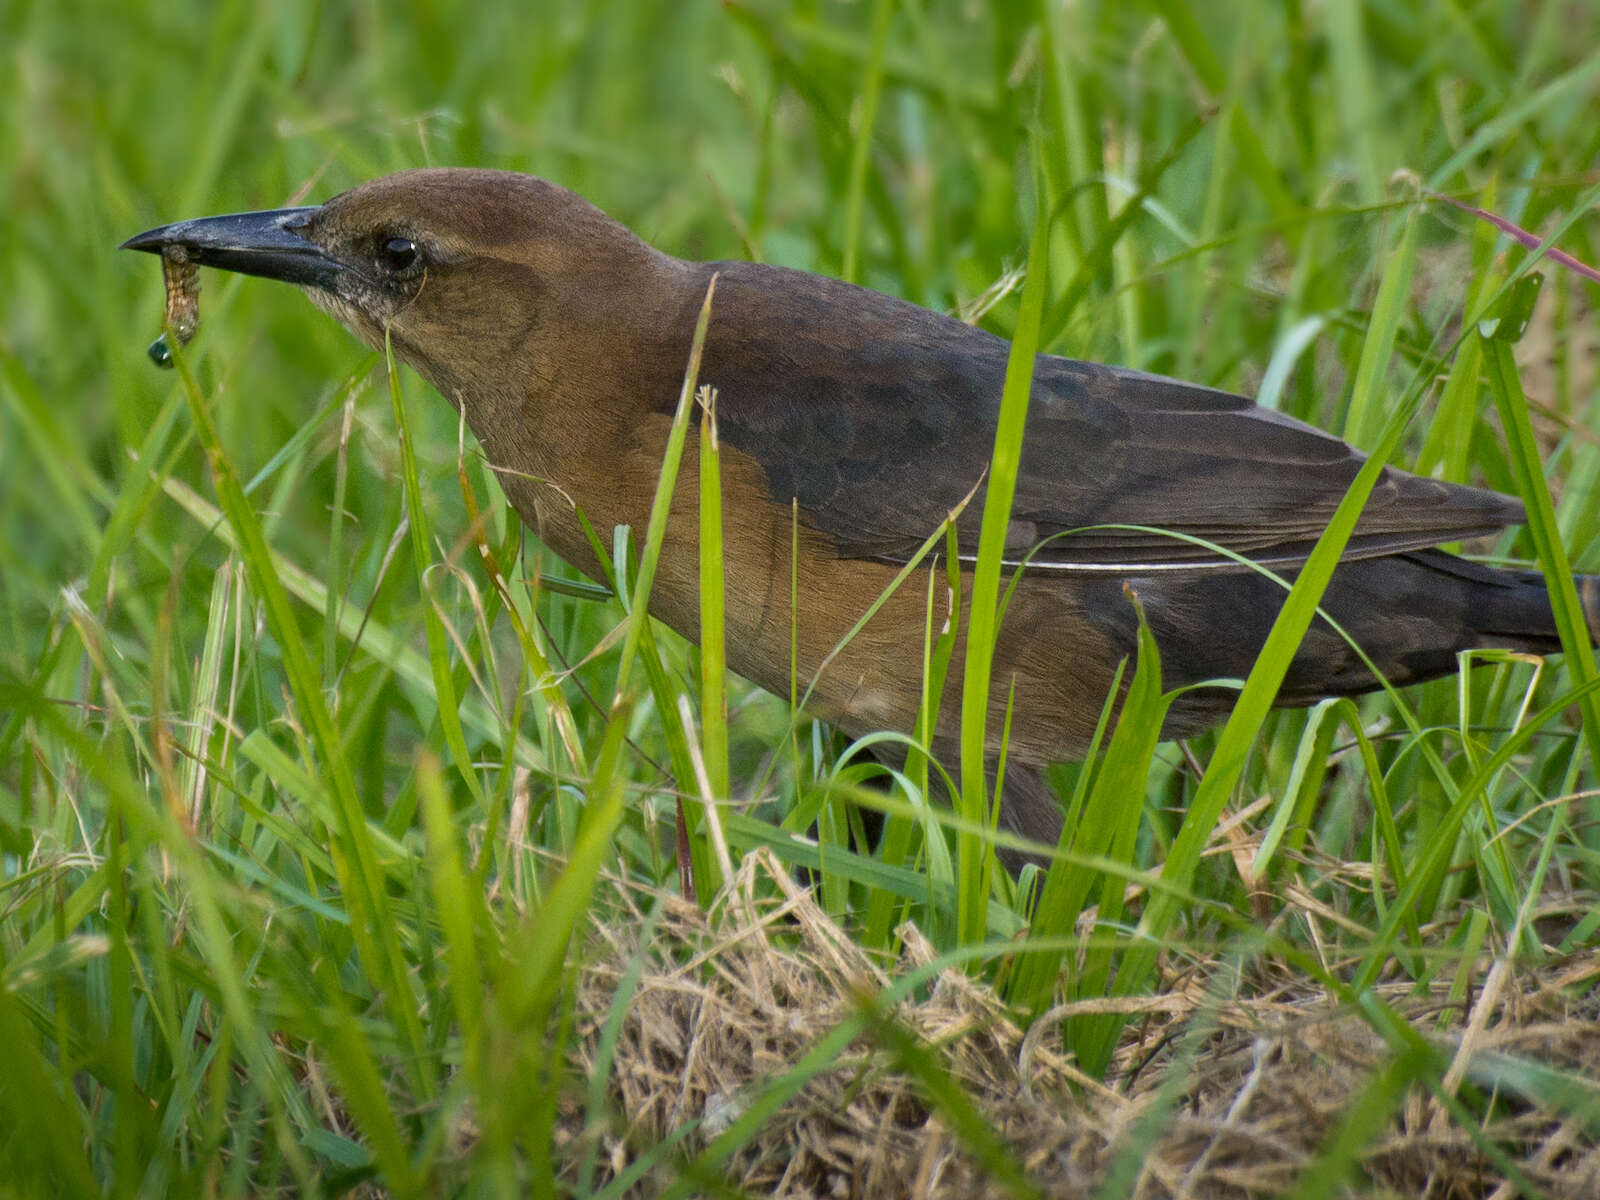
(182, 278)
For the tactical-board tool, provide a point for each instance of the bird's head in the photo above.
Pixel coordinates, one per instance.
(456, 265)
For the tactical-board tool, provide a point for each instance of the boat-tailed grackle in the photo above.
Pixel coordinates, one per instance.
(563, 340)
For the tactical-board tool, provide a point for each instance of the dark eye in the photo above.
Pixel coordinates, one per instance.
(398, 254)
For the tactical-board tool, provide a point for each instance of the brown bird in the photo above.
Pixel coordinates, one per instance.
(563, 339)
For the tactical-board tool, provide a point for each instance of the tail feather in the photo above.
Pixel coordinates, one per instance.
(1411, 614)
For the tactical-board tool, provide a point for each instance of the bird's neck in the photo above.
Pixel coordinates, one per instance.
(592, 398)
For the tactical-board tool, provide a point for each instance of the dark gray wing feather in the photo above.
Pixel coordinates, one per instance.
(878, 417)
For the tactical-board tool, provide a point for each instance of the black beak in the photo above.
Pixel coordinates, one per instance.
(269, 244)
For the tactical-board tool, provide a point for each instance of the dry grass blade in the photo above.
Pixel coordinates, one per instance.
(730, 1001)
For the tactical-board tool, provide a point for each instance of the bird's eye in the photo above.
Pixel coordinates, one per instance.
(398, 254)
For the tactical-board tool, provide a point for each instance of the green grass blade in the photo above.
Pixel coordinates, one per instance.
(1191, 38)
(365, 888)
(44, 1130)
(1105, 817)
(1365, 417)
(861, 144)
(444, 688)
(972, 855)
(463, 916)
(713, 650)
(1261, 686)
(1526, 464)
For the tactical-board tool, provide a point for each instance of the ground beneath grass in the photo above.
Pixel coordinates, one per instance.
(1234, 1080)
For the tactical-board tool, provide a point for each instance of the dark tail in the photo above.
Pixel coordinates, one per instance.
(1420, 610)
(1412, 614)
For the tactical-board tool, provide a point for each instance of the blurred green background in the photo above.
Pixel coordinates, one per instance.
(1227, 183)
(722, 130)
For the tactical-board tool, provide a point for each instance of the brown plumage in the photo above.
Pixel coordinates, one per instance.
(563, 338)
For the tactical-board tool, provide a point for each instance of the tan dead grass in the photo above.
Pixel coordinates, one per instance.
(1226, 1084)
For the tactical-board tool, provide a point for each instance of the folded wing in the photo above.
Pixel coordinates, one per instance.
(881, 434)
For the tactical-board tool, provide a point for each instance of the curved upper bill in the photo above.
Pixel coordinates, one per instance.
(270, 244)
